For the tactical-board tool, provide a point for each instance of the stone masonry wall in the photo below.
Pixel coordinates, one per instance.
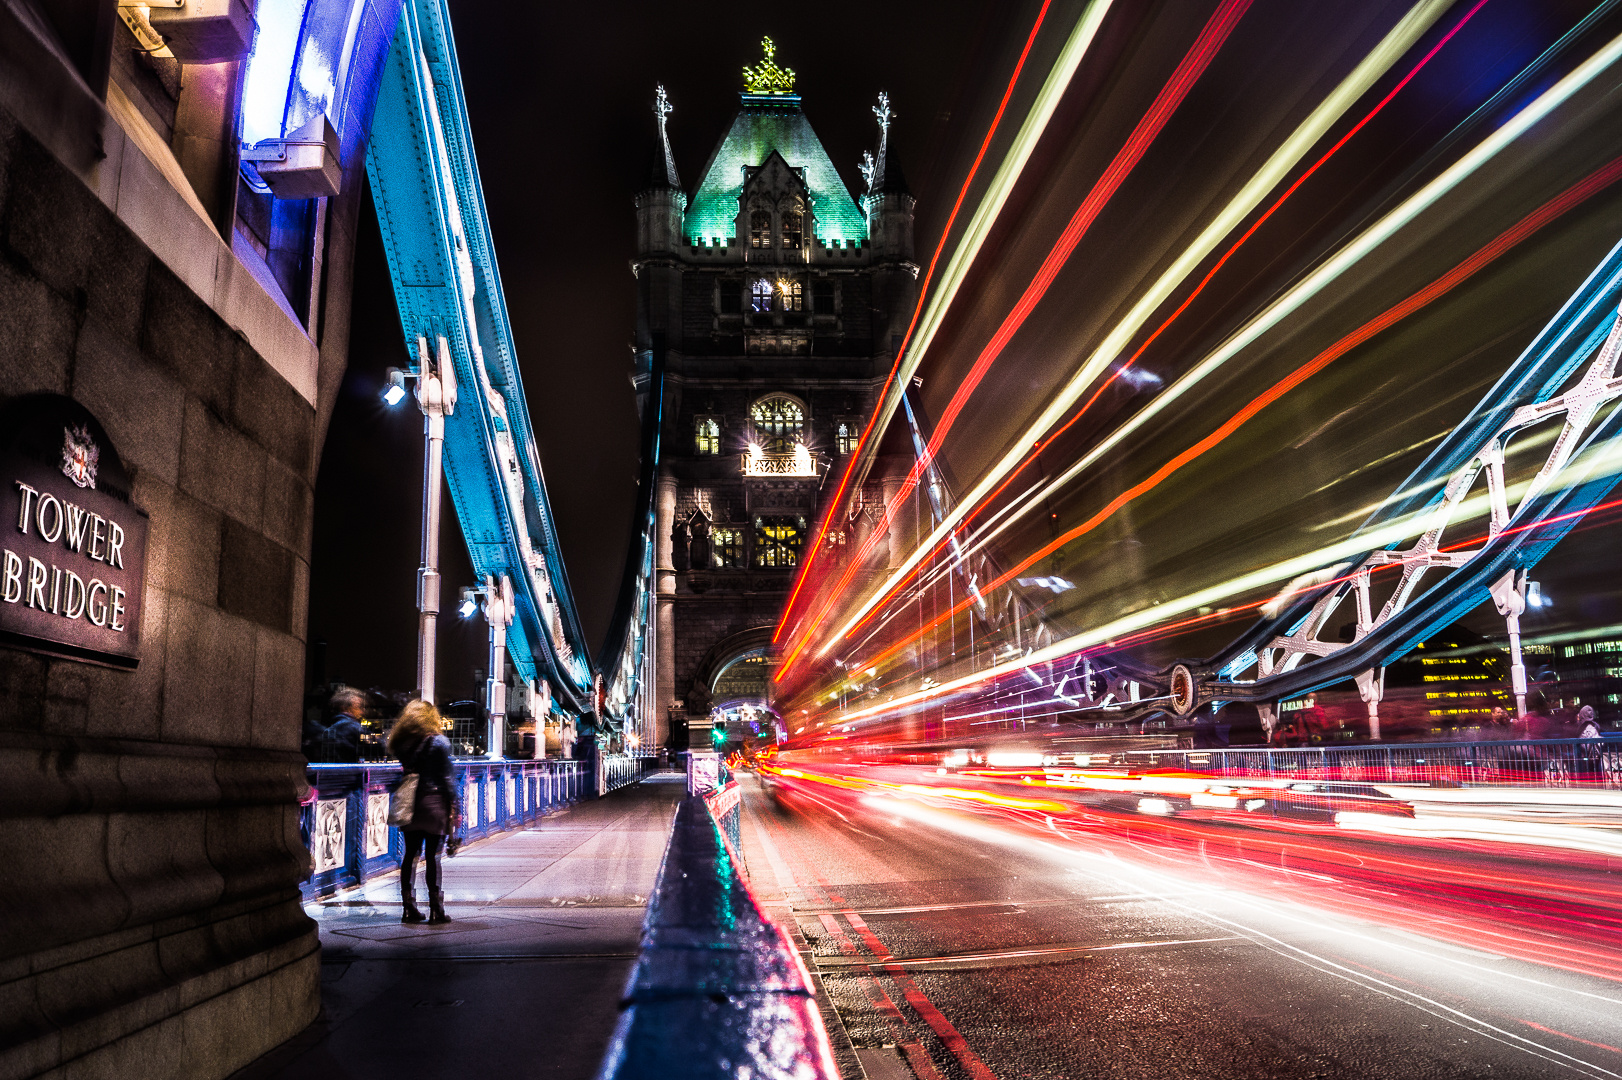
(149, 918)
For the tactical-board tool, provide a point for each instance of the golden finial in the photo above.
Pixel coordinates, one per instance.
(767, 77)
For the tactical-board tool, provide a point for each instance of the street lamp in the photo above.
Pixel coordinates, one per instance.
(436, 396)
(498, 613)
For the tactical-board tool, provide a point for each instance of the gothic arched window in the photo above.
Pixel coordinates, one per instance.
(845, 437)
(707, 436)
(760, 295)
(760, 228)
(779, 423)
(793, 228)
(778, 541)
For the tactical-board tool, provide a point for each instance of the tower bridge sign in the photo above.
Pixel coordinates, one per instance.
(73, 552)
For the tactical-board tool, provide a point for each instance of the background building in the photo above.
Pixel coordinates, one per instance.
(772, 303)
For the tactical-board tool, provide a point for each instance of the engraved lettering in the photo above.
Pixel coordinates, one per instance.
(28, 499)
(98, 536)
(37, 575)
(95, 608)
(117, 605)
(56, 590)
(78, 526)
(115, 546)
(53, 532)
(73, 604)
(11, 589)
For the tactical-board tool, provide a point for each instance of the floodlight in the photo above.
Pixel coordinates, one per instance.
(394, 392)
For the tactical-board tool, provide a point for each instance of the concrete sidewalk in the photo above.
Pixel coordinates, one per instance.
(525, 980)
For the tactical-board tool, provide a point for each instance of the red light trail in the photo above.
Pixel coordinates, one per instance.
(1171, 95)
(991, 499)
(1527, 226)
(923, 293)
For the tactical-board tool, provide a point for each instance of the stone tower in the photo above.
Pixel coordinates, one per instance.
(772, 302)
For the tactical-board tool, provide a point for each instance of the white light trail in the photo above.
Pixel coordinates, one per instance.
(1606, 462)
(1275, 313)
(985, 214)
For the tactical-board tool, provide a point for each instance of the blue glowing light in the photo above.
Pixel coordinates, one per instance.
(270, 68)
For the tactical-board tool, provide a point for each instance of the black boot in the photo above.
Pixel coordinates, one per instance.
(408, 902)
(436, 907)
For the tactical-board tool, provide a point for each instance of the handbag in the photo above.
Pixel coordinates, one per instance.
(403, 803)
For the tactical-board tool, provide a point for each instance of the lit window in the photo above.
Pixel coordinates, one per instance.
(822, 297)
(793, 295)
(779, 424)
(845, 437)
(708, 437)
(793, 228)
(726, 547)
(760, 228)
(777, 542)
(760, 296)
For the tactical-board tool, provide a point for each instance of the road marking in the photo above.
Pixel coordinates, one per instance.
(917, 909)
(1153, 879)
(1039, 954)
(921, 1004)
(917, 1057)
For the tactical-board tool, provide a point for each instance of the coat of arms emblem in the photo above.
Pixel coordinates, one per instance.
(79, 455)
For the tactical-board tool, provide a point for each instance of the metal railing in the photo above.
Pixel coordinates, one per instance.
(1512, 762)
(622, 769)
(344, 815)
(718, 991)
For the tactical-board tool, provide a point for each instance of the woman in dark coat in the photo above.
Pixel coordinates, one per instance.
(419, 742)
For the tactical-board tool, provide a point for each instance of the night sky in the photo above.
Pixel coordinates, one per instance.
(560, 101)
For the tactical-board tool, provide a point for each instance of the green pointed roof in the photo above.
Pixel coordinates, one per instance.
(766, 123)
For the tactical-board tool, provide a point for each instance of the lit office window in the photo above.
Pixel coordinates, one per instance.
(760, 295)
(726, 547)
(708, 437)
(777, 542)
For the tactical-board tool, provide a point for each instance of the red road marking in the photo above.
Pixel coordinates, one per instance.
(916, 1055)
(920, 1002)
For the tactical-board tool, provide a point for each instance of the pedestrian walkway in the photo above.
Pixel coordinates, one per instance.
(526, 979)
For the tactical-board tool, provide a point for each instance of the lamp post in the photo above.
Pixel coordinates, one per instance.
(436, 396)
(498, 613)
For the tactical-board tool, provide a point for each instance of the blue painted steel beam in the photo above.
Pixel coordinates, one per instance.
(430, 206)
(1567, 342)
(626, 660)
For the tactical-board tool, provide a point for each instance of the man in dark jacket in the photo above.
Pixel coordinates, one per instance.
(338, 740)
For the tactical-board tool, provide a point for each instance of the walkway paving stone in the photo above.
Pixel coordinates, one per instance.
(525, 980)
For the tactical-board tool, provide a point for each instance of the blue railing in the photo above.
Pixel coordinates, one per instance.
(718, 990)
(344, 816)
